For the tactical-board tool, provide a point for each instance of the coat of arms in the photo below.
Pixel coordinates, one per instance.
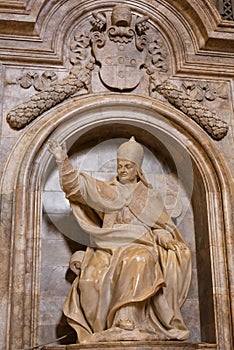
(119, 45)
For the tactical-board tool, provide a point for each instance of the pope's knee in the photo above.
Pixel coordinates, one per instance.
(139, 255)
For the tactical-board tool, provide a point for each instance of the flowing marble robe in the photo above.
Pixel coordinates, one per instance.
(125, 272)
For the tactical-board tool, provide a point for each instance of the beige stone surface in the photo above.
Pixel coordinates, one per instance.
(36, 37)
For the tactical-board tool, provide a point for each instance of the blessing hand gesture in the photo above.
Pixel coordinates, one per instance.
(58, 151)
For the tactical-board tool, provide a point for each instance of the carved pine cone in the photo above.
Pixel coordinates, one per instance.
(208, 120)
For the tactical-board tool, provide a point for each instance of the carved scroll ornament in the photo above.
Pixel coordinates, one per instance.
(38, 82)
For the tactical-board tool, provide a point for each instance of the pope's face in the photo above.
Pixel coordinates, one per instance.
(127, 171)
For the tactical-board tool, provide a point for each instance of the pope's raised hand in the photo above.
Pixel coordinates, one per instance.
(58, 151)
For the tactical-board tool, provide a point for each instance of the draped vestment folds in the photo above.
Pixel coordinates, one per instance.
(125, 273)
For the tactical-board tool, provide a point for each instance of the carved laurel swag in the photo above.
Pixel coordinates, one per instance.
(207, 119)
(24, 113)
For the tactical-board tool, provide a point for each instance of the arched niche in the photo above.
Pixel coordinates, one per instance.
(29, 164)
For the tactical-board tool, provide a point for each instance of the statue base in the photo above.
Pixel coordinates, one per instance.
(134, 345)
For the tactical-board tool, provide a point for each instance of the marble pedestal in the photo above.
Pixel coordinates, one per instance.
(133, 345)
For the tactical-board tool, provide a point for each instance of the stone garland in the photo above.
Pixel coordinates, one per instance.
(207, 119)
(80, 78)
(24, 113)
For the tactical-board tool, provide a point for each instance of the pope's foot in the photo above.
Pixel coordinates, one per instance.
(126, 324)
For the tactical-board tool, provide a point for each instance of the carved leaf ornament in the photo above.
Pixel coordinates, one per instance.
(118, 43)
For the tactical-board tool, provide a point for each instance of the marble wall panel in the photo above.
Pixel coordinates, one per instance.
(55, 281)
(191, 314)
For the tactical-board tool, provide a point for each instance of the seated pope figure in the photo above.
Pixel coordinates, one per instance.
(134, 277)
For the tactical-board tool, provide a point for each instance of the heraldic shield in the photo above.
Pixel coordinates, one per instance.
(120, 62)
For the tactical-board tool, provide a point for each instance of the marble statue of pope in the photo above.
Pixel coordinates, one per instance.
(134, 277)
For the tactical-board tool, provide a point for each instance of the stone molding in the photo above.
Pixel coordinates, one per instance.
(131, 345)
